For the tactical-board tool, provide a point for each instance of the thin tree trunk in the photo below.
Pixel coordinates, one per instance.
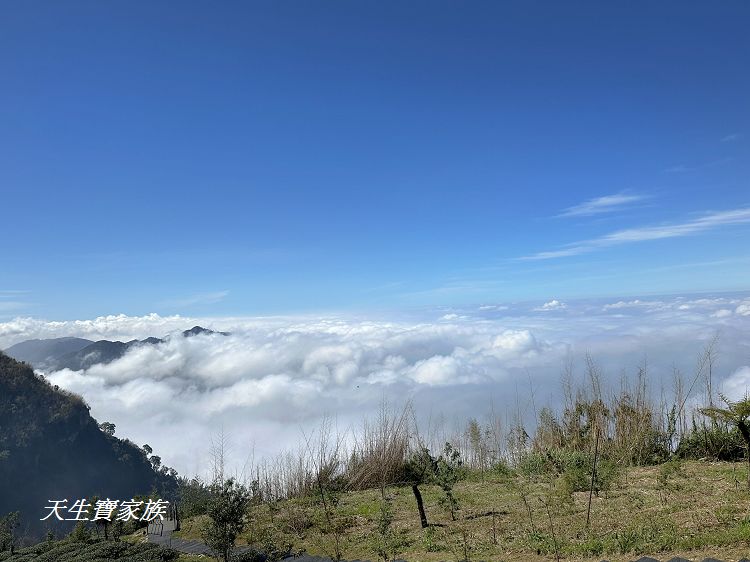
(593, 479)
(328, 518)
(742, 426)
(420, 505)
(552, 530)
(528, 508)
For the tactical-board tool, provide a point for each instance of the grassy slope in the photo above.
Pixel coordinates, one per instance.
(701, 509)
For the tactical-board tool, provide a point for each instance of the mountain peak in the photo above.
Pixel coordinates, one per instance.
(200, 330)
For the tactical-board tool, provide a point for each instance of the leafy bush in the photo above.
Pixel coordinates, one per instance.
(574, 468)
(577, 466)
(226, 516)
(503, 470)
(714, 441)
(534, 464)
(448, 471)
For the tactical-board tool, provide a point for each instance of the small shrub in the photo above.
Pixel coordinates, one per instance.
(667, 472)
(542, 543)
(534, 464)
(297, 520)
(81, 533)
(385, 533)
(593, 547)
(430, 540)
(628, 540)
(448, 471)
(503, 470)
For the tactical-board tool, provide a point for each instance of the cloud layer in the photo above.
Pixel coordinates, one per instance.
(274, 377)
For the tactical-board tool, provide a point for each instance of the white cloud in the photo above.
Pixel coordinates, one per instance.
(437, 370)
(273, 376)
(515, 342)
(637, 303)
(707, 222)
(551, 305)
(452, 316)
(737, 385)
(599, 205)
(488, 307)
(722, 313)
(744, 308)
(278, 371)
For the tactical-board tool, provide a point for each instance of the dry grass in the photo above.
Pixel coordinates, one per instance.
(696, 510)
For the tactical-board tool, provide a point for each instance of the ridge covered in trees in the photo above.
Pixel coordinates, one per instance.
(51, 448)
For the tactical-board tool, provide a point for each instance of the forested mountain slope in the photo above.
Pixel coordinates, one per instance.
(51, 448)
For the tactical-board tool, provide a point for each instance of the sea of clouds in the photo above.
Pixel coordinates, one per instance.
(274, 379)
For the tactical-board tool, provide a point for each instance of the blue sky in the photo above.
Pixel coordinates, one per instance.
(274, 157)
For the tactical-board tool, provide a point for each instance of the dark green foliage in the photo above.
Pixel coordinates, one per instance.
(385, 533)
(573, 467)
(715, 441)
(422, 468)
(738, 415)
(194, 496)
(108, 428)
(576, 468)
(534, 464)
(226, 517)
(104, 551)
(503, 470)
(419, 467)
(56, 450)
(8, 527)
(447, 472)
(81, 533)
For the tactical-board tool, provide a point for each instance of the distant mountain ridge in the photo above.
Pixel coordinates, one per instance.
(40, 352)
(77, 353)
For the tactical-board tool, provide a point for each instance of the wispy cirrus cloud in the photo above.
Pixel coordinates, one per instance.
(707, 222)
(732, 137)
(198, 299)
(683, 168)
(605, 204)
(9, 300)
(7, 306)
